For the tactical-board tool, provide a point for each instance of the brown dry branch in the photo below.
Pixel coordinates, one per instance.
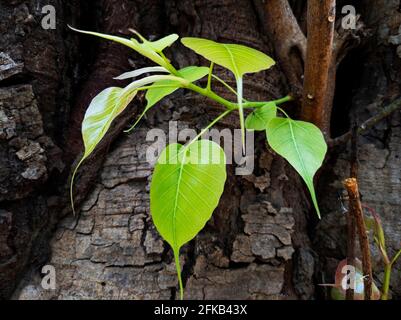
(319, 69)
(351, 232)
(355, 209)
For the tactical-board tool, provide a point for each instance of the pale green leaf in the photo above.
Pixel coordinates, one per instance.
(163, 88)
(260, 117)
(147, 48)
(186, 186)
(237, 58)
(192, 73)
(161, 44)
(139, 72)
(103, 109)
(302, 144)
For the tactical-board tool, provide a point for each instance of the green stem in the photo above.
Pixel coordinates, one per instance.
(209, 79)
(386, 281)
(178, 267)
(226, 85)
(211, 124)
(231, 105)
(398, 254)
(211, 95)
(260, 104)
(285, 113)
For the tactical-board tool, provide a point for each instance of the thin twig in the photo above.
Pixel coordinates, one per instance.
(368, 124)
(355, 208)
(351, 232)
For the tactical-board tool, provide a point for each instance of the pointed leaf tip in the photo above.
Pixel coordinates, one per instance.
(302, 144)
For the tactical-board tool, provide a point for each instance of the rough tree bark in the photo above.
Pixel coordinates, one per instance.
(257, 244)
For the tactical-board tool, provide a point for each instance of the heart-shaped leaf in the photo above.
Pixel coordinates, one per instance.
(186, 186)
(260, 117)
(302, 145)
(237, 58)
(163, 88)
(147, 48)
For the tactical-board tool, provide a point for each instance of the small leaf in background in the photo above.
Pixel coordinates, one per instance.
(302, 144)
(339, 291)
(260, 117)
(149, 49)
(186, 187)
(237, 58)
(163, 88)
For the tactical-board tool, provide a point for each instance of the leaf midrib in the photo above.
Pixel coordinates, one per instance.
(306, 175)
(236, 72)
(176, 200)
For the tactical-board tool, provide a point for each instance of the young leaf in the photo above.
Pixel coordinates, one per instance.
(104, 108)
(147, 48)
(163, 88)
(302, 145)
(237, 58)
(260, 117)
(138, 72)
(161, 44)
(186, 186)
(192, 73)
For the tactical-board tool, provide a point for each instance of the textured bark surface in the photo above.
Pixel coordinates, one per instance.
(377, 82)
(35, 92)
(113, 251)
(319, 73)
(260, 243)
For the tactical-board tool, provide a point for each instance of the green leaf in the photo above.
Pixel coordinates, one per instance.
(302, 145)
(260, 117)
(192, 73)
(163, 88)
(186, 186)
(147, 48)
(237, 58)
(103, 109)
(163, 43)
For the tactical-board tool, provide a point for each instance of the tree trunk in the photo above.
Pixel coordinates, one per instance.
(261, 242)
